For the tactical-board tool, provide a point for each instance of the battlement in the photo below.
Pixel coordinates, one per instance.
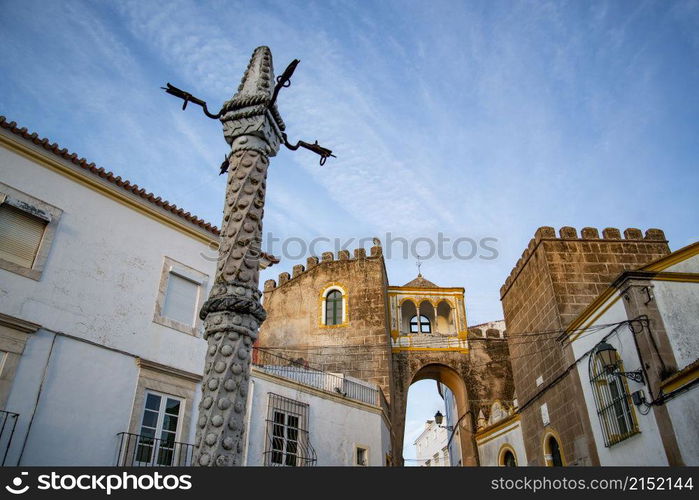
(325, 258)
(587, 234)
(489, 330)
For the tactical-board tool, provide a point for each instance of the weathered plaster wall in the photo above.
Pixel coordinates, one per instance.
(684, 411)
(86, 398)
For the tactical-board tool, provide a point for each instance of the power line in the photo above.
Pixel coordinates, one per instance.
(507, 358)
(434, 341)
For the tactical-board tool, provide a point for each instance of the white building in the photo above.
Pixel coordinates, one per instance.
(306, 417)
(636, 352)
(499, 437)
(639, 375)
(451, 419)
(431, 446)
(101, 354)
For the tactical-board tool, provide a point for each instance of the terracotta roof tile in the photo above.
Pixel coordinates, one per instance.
(420, 282)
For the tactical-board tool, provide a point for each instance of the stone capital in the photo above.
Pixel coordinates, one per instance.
(250, 114)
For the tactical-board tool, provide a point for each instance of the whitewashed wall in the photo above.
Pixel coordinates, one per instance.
(646, 448)
(85, 400)
(100, 284)
(678, 303)
(679, 307)
(335, 427)
(431, 441)
(511, 435)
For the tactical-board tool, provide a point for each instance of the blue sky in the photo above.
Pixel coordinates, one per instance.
(474, 119)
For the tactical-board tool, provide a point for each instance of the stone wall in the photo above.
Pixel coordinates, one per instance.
(553, 281)
(359, 348)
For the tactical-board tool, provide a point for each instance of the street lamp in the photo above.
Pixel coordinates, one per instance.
(439, 418)
(609, 357)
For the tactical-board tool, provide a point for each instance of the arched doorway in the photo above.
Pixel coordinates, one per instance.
(462, 429)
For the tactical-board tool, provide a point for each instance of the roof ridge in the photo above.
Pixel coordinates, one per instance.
(421, 282)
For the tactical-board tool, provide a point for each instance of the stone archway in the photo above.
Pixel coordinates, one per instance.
(477, 375)
(449, 377)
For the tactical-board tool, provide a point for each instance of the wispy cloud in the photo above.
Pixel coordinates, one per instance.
(474, 119)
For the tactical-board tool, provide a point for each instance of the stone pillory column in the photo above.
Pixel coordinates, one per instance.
(233, 313)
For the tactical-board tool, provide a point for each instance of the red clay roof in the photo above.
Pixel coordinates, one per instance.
(107, 175)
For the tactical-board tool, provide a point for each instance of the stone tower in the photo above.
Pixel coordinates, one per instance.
(554, 280)
(390, 335)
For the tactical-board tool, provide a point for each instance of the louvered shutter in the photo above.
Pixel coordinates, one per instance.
(180, 299)
(20, 235)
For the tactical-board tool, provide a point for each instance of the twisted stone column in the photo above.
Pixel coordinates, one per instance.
(233, 312)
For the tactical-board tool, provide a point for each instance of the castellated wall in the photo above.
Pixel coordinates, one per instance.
(360, 348)
(554, 280)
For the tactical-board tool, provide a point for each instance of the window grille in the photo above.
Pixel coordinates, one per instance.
(420, 324)
(288, 443)
(612, 400)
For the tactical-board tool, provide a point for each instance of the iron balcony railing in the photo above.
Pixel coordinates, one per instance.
(288, 441)
(138, 450)
(300, 372)
(8, 422)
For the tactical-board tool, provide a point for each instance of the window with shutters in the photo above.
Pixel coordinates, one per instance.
(181, 294)
(27, 228)
(20, 235)
(181, 299)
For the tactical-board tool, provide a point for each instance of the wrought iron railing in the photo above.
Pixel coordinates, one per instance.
(138, 450)
(8, 422)
(301, 372)
(288, 440)
(613, 402)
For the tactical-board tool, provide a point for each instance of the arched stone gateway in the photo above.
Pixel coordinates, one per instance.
(477, 377)
(392, 336)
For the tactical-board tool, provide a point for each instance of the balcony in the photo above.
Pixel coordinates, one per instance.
(300, 372)
(8, 422)
(138, 450)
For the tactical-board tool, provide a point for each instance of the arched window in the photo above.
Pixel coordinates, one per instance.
(555, 450)
(611, 396)
(507, 456)
(420, 324)
(333, 308)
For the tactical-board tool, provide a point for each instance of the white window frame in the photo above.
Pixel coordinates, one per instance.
(284, 451)
(159, 427)
(323, 312)
(40, 210)
(170, 267)
(364, 448)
